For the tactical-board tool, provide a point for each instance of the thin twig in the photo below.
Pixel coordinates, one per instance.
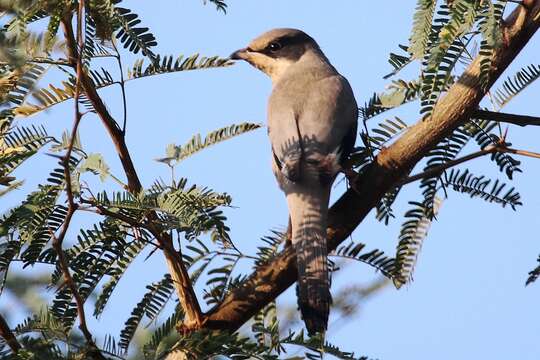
(100, 210)
(122, 85)
(72, 206)
(436, 171)
(523, 153)
(59, 62)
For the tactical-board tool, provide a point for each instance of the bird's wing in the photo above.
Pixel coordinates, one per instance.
(329, 118)
(312, 121)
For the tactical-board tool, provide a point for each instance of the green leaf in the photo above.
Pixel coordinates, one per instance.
(95, 164)
(133, 37)
(533, 274)
(413, 233)
(514, 85)
(156, 297)
(375, 258)
(478, 186)
(421, 28)
(168, 64)
(179, 153)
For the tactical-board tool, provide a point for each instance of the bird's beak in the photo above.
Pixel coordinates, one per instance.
(240, 54)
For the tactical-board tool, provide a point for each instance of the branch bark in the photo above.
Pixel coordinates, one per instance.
(72, 206)
(520, 120)
(8, 336)
(179, 274)
(462, 99)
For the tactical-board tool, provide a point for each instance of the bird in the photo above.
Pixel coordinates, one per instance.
(312, 123)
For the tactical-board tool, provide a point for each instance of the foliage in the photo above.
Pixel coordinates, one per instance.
(131, 223)
(442, 38)
(512, 86)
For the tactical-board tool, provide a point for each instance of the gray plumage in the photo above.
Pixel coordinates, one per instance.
(312, 121)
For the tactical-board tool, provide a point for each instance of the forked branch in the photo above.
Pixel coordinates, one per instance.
(57, 242)
(179, 274)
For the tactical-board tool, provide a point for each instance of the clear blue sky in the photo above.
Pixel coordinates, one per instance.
(468, 300)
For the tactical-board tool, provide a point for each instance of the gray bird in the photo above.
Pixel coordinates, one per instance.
(312, 122)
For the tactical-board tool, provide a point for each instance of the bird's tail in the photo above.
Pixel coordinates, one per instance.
(308, 210)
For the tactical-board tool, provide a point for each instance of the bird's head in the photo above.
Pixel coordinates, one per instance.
(276, 50)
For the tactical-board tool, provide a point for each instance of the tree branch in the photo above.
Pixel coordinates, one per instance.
(179, 274)
(436, 171)
(523, 153)
(462, 99)
(72, 206)
(9, 337)
(521, 120)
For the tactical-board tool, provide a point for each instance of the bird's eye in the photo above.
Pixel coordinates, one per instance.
(274, 46)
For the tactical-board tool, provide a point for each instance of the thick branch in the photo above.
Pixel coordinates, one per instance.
(266, 283)
(8, 336)
(179, 274)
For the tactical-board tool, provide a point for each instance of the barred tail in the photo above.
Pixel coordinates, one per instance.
(308, 218)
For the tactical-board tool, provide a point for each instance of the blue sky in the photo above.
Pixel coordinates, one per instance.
(468, 299)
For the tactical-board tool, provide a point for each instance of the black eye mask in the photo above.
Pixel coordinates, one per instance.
(290, 47)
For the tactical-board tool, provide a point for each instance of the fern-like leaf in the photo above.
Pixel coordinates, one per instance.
(445, 151)
(375, 258)
(478, 186)
(421, 29)
(168, 64)
(18, 145)
(127, 257)
(53, 95)
(158, 294)
(220, 5)
(267, 252)
(514, 85)
(489, 25)
(133, 37)
(413, 232)
(386, 131)
(533, 274)
(398, 61)
(220, 280)
(16, 87)
(179, 153)
(384, 211)
(152, 348)
(484, 136)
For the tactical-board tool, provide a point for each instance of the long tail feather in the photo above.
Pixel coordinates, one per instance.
(308, 217)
